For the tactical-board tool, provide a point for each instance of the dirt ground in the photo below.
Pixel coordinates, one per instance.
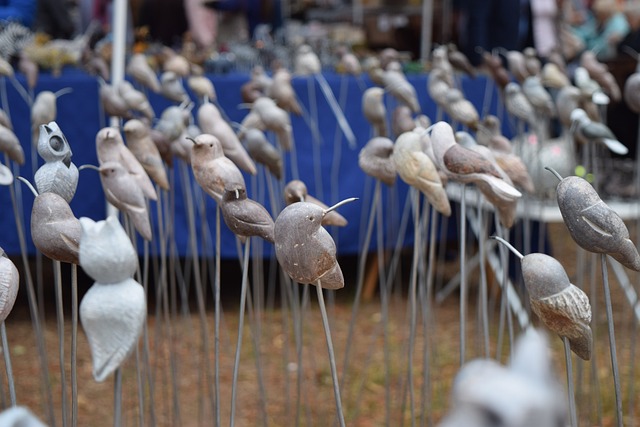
(178, 386)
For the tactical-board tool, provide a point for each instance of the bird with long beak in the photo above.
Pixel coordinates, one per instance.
(110, 148)
(212, 170)
(304, 249)
(588, 131)
(296, 191)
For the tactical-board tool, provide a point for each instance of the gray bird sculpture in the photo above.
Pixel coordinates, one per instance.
(538, 96)
(375, 160)
(245, 217)
(561, 306)
(58, 175)
(595, 132)
(110, 148)
(262, 151)
(304, 249)
(211, 169)
(171, 87)
(276, 120)
(112, 102)
(460, 109)
(518, 105)
(593, 225)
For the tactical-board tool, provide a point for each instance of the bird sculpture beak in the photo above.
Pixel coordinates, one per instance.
(337, 205)
(67, 160)
(96, 168)
(192, 140)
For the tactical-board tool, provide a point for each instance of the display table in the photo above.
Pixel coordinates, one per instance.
(80, 117)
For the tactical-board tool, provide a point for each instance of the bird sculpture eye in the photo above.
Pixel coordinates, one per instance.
(311, 218)
(210, 145)
(56, 143)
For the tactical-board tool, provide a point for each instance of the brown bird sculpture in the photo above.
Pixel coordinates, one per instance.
(138, 137)
(10, 145)
(263, 151)
(304, 249)
(282, 92)
(375, 160)
(138, 67)
(245, 217)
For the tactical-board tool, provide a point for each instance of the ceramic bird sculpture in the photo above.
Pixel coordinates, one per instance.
(518, 105)
(567, 100)
(212, 169)
(44, 110)
(561, 306)
(399, 87)
(490, 134)
(464, 165)
(171, 123)
(498, 73)
(531, 61)
(139, 68)
(110, 148)
(282, 92)
(538, 96)
(250, 91)
(19, 416)
(30, 70)
(210, 121)
(139, 142)
(112, 102)
(260, 79)
(55, 231)
(552, 77)
(438, 86)
(304, 249)
(296, 191)
(402, 120)
(460, 109)
(10, 145)
(375, 160)
(113, 310)
(595, 132)
(416, 169)
(306, 61)
(440, 61)
(589, 88)
(262, 151)
(175, 63)
(122, 191)
(601, 74)
(9, 284)
(516, 63)
(202, 87)
(276, 120)
(135, 100)
(593, 225)
(374, 110)
(459, 61)
(58, 175)
(348, 62)
(245, 217)
(171, 87)
(524, 393)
